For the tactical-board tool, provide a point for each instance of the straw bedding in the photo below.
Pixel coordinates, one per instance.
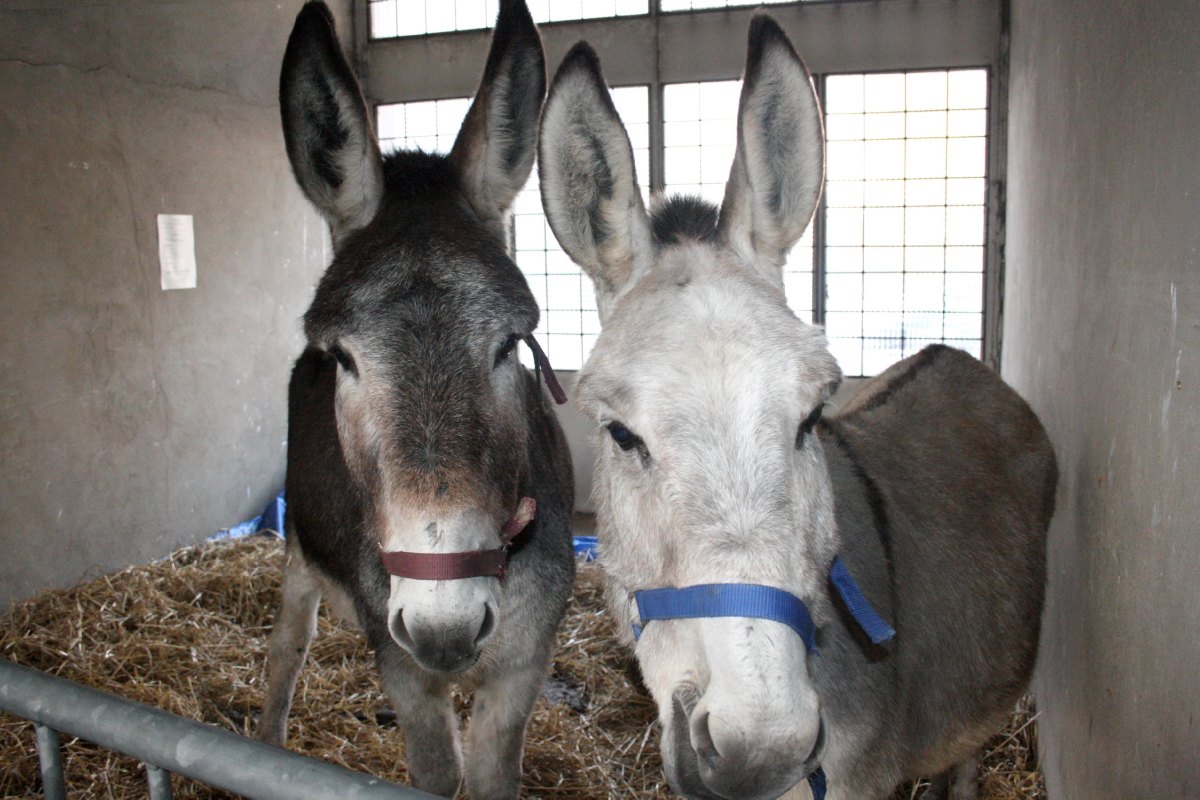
(188, 634)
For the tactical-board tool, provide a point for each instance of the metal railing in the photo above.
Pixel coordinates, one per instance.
(167, 743)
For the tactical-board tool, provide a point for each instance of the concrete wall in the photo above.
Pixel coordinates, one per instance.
(1102, 335)
(134, 420)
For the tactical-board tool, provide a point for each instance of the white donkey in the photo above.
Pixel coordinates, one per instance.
(935, 485)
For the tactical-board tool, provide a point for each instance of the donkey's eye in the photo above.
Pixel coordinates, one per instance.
(806, 427)
(506, 349)
(343, 359)
(625, 438)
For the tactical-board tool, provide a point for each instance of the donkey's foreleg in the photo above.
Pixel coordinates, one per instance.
(496, 733)
(426, 715)
(292, 632)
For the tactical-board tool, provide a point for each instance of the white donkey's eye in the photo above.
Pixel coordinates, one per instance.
(625, 438)
(806, 427)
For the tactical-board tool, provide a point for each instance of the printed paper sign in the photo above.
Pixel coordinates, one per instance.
(177, 251)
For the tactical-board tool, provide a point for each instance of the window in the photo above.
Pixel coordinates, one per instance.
(697, 5)
(898, 256)
(430, 125)
(390, 18)
(904, 214)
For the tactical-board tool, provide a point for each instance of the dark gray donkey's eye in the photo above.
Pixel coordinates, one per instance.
(343, 359)
(807, 426)
(505, 349)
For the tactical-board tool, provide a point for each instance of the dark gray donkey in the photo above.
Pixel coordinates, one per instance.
(715, 474)
(415, 437)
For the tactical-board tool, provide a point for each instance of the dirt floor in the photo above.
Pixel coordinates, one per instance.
(188, 634)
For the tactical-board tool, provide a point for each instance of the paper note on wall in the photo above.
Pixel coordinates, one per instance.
(177, 251)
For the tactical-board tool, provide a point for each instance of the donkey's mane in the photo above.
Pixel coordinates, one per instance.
(415, 173)
(682, 217)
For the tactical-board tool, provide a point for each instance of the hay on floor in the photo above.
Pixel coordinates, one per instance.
(188, 634)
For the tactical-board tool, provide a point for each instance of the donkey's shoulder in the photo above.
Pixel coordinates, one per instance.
(952, 415)
(917, 379)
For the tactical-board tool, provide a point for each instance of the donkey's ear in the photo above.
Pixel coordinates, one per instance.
(589, 188)
(495, 149)
(779, 166)
(329, 137)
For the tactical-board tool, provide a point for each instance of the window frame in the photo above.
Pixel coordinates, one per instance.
(658, 48)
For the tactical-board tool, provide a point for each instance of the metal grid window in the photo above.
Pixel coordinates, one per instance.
(697, 5)
(429, 125)
(905, 248)
(393, 18)
(904, 214)
(902, 241)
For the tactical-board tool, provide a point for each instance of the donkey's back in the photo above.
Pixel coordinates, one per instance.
(944, 482)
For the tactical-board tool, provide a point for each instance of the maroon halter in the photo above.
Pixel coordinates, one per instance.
(467, 564)
(542, 364)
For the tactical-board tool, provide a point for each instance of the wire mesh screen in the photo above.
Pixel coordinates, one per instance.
(391, 18)
(429, 125)
(905, 219)
(697, 5)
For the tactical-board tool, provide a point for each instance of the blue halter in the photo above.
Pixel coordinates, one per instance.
(762, 602)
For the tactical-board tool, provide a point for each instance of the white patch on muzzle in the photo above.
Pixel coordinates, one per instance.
(443, 623)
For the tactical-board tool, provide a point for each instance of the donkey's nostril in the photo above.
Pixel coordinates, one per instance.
(398, 630)
(488, 625)
(702, 740)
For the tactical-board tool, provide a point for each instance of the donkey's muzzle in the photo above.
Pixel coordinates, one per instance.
(448, 646)
(711, 761)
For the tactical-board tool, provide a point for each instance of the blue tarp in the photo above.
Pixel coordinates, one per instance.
(271, 519)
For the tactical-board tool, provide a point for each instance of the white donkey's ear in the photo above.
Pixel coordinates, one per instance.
(589, 188)
(779, 166)
(330, 141)
(495, 149)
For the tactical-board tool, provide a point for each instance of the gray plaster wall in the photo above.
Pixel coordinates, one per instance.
(1102, 335)
(134, 420)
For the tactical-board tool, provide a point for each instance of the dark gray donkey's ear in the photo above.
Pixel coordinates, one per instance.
(589, 187)
(495, 148)
(779, 166)
(330, 140)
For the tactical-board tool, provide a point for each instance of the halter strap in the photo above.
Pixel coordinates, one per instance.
(728, 600)
(755, 601)
(542, 366)
(873, 625)
(464, 564)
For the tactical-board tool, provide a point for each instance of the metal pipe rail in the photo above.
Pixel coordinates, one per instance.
(169, 743)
